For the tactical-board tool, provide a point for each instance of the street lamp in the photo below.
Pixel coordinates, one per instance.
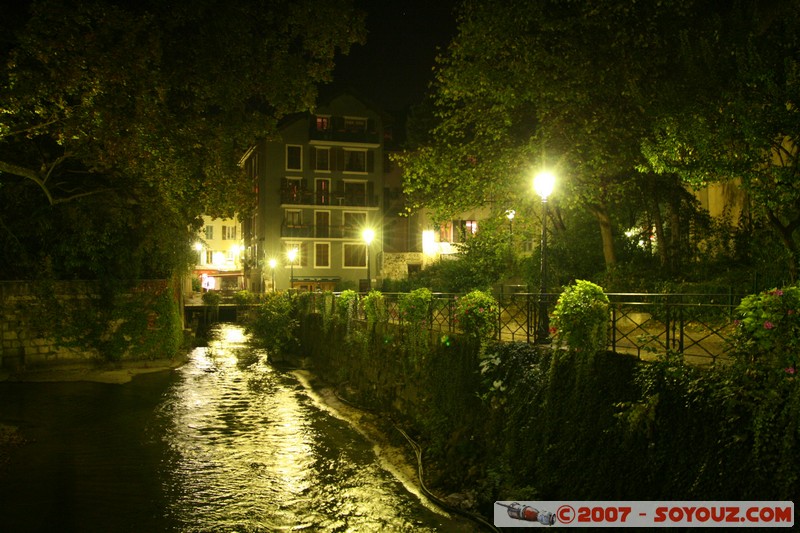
(543, 185)
(368, 235)
(292, 255)
(272, 264)
(510, 214)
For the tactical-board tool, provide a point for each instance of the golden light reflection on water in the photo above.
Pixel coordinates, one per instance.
(251, 451)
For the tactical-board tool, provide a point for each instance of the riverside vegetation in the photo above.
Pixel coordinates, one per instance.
(511, 421)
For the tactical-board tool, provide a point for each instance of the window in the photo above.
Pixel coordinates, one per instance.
(355, 160)
(322, 224)
(294, 157)
(209, 232)
(293, 218)
(322, 190)
(228, 233)
(355, 255)
(293, 192)
(355, 192)
(470, 227)
(354, 223)
(322, 255)
(355, 125)
(209, 257)
(322, 158)
(323, 123)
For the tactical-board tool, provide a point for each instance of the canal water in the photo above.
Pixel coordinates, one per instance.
(224, 443)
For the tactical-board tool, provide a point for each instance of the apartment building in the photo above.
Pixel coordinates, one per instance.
(318, 187)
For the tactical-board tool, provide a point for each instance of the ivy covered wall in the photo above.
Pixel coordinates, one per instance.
(47, 323)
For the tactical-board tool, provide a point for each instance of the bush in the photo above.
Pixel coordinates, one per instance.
(274, 325)
(415, 306)
(244, 297)
(211, 298)
(768, 328)
(477, 314)
(374, 308)
(346, 304)
(581, 317)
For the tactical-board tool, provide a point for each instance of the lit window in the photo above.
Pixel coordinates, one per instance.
(323, 123)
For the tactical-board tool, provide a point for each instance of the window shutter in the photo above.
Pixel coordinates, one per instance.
(370, 161)
(339, 158)
(312, 158)
(370, 194)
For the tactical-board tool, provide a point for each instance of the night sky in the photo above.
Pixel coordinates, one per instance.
(393, 68)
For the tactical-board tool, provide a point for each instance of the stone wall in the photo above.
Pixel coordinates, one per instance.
(395, 265)
(23, 345)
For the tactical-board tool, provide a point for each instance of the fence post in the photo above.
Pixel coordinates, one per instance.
(529, 317)
(613, 328)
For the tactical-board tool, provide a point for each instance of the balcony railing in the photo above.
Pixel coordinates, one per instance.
(312, 231)
(349, 199)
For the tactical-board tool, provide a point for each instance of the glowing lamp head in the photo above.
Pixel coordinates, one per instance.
(272, 263)
(368, 235)
(292, 255)
(543, 184)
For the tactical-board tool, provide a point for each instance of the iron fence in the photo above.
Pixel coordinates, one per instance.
(699, 326)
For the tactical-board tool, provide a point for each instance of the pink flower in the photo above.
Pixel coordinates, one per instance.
(768, 325)
(790, 312)
(791, 370)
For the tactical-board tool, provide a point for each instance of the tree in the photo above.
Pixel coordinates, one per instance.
(742, 124)
(529, 84)
(153, 103)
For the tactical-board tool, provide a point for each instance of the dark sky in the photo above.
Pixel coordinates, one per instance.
(393, 68)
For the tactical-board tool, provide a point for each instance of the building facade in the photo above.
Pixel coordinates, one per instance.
(318, 187)
(219, 246)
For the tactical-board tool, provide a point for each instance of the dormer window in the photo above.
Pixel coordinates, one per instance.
(323, 123)
(355, 125)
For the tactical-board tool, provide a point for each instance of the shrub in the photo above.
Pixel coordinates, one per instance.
(244, 297)
(768, 328)
(346, 304)
(415, 306)
(374, 308)
(581, 317)
(477, 314)
(211, 298)
(274, 324)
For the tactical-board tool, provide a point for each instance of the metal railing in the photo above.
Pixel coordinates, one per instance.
(699, 326)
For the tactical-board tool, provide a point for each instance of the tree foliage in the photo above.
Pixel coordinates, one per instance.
(155, 102)
(625, 100)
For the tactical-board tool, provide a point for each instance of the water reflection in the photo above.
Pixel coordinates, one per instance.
(250, 450)
(225, 443)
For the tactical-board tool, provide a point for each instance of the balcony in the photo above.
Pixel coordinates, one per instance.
(295, 196)
(312, 231)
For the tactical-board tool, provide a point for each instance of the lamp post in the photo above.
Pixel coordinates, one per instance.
(292, 255)
(368, 235)
(272, 264)
(543, 185)
(510, 214)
